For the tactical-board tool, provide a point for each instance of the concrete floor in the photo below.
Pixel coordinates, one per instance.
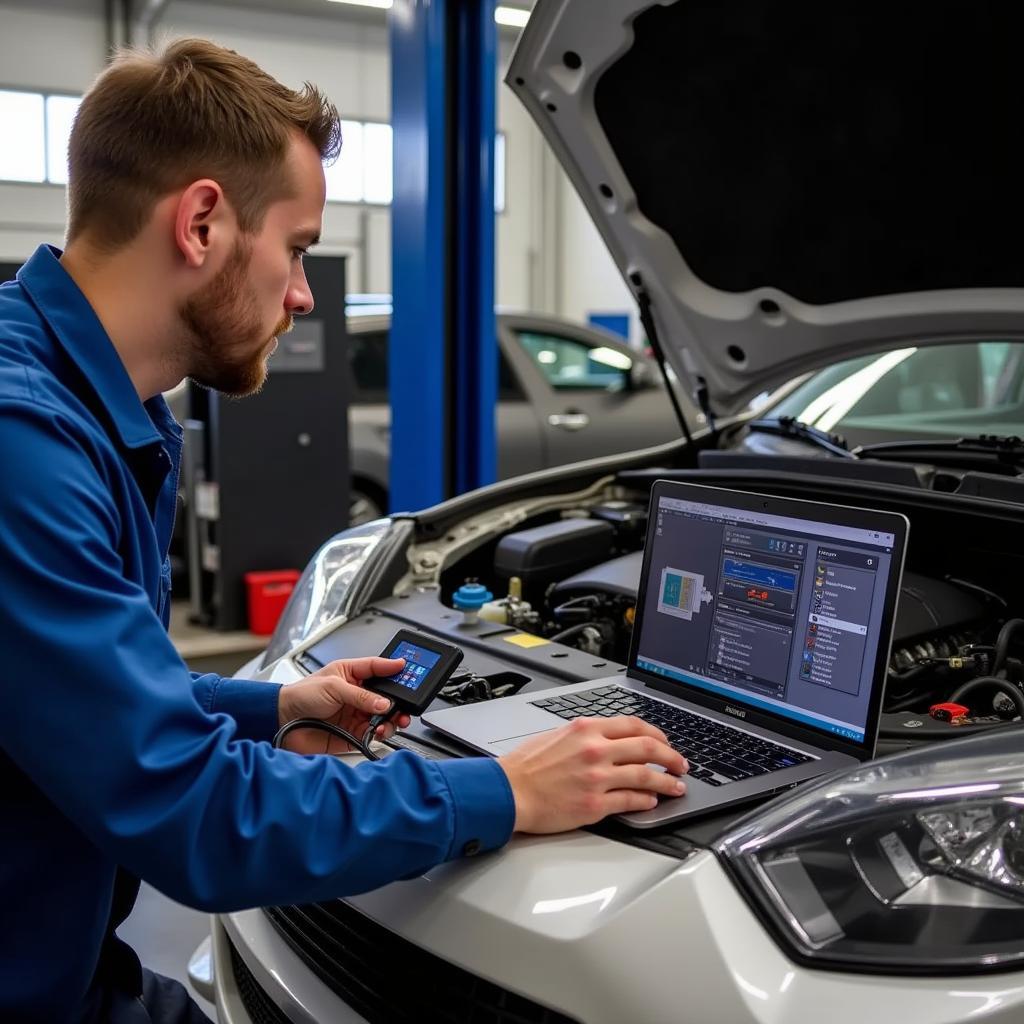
(210, 650)
(165, 934)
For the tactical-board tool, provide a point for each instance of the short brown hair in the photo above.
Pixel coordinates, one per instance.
(154, 122)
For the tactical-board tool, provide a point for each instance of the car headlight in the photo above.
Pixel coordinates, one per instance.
(910, 864)
(325, 587)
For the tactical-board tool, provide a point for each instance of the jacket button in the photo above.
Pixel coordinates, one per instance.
(471, 848)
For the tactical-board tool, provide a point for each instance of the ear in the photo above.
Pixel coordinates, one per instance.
(204, 223)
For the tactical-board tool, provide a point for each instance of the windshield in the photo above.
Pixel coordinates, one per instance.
(943, 391)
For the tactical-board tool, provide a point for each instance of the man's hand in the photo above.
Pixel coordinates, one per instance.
(588, 769)
(335, 694)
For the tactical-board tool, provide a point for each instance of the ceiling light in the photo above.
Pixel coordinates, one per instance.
(514, 17)
(381, 5)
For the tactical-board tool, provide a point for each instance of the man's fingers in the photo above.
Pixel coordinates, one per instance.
(364, 668)
(390, 728)
(648, 750)
(626, 725)
(352, 696)
(640, 777)
(621, 801)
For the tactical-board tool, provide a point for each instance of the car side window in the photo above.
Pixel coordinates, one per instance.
(568, 364)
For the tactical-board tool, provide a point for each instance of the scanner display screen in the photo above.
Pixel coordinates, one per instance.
(418, 663)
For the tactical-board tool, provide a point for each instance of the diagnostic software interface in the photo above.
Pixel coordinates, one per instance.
(774, 612)
(418, 663)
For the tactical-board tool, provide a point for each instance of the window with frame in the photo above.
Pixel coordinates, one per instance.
(363, 171)
(41, 122)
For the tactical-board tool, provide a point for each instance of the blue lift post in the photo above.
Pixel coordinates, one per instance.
(443, 348)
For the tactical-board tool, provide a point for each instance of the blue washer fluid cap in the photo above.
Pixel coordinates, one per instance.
(470, 597)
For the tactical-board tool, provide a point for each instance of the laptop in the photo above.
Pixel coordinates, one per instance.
(760, 646)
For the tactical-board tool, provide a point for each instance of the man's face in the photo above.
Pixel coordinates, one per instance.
(234, 320)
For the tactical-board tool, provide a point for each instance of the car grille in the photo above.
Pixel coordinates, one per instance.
(256, 1002)
(390, 980)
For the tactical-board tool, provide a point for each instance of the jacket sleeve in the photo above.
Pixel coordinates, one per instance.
(101, 713)
(252, 704)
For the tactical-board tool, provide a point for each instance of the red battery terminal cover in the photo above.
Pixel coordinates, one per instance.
(955, 714)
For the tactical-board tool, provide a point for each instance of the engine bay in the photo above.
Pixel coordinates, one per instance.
(569, 577)
(540, 588)
(554, 578)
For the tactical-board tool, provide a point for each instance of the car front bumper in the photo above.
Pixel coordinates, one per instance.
(600, 932)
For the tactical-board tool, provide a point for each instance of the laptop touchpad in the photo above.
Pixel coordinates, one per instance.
(499, 747)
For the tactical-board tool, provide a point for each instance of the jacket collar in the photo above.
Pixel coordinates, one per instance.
(77, 328)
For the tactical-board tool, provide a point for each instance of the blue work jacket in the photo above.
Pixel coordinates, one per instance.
(116, 762)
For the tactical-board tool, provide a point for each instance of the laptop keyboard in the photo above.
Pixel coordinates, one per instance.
(717, 753)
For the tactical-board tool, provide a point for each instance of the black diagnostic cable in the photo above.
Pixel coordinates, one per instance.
(1006, 634)
(363, 745)
(429, 663)
(990, 682)
(995, 660)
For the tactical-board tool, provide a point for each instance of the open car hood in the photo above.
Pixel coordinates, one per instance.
(792, 184)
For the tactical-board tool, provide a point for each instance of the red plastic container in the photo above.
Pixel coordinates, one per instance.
(268, 593)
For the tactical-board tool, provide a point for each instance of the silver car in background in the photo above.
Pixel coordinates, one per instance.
(566, 392)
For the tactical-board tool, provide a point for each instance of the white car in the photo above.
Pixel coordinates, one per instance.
(786, 187)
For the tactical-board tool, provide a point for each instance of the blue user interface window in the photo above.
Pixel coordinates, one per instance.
(418, 663)
(673, 589)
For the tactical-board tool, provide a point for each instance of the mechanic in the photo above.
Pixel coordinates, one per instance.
(195, 186)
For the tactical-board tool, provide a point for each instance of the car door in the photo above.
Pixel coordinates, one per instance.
(521, 447)
(519, 438)
(593, 394)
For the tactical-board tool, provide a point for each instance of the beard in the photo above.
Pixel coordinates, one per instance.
(228, 351)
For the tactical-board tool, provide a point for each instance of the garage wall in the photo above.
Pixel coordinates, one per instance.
(349, 62)
(590, 281)
(547, 259)
(42, 50)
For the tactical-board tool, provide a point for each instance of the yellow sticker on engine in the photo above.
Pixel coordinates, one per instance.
(526, 640)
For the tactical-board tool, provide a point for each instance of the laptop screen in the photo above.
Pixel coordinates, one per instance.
(768, 611)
